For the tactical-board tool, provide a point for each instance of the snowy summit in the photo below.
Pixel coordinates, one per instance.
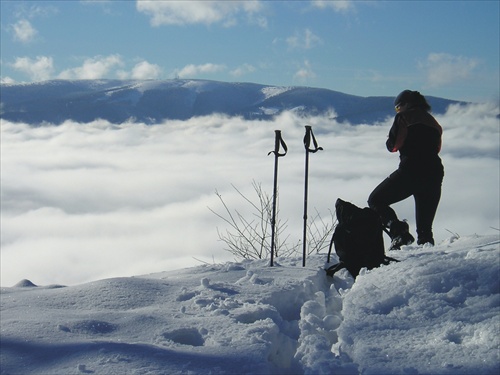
(434, 312)
(154, 101)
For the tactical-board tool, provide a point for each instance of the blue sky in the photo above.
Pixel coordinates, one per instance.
(368, 48)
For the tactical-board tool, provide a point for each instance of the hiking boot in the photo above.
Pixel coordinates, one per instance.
(399, 231)
(425, 237)
(425, 241)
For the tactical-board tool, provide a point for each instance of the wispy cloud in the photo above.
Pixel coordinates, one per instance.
(77, 195)
(192, 71)
(442, 69)
(303, 40)
(304, 73)
(36, 10)
(341, 6)
(23, 30)
(242, 70)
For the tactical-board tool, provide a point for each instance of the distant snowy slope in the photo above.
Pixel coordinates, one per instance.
(152, 101)
(437, 311)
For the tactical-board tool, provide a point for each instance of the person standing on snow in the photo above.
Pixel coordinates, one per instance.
(416, 134)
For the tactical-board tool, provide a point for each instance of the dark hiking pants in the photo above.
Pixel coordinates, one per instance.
(426, 190)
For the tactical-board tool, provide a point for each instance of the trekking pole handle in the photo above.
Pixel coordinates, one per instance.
(277, 143)
(307, 140)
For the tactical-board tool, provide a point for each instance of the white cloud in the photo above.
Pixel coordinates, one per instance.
(341, 6)
(146, 70)
(7, 80)
(83, 193)
(38, 69)
(191, 71)
(442, 69)
(305, 72)
(304, 40)
(42, 68)
(93, 68)
(24, 31)
(193, 12)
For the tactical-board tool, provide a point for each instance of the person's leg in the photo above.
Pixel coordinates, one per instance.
(393, 189)
(426, 204)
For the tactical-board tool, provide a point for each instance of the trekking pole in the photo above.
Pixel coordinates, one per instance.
(307, 142)
(277, 143)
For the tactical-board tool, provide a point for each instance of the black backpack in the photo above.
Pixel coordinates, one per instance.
(358, 239)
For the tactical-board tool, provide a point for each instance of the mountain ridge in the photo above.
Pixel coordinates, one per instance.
(154, 101)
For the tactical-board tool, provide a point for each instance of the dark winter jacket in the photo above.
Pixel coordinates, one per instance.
(416, 134)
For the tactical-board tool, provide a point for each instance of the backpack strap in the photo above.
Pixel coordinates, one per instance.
(330, 271)
(330, 248)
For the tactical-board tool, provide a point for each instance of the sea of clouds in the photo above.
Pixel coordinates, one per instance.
(81, 202)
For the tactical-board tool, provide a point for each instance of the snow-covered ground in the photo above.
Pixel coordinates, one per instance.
(435, 312)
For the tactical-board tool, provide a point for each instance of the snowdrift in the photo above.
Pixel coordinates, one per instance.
(435, 312)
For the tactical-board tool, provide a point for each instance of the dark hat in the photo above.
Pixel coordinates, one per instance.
(413, 98)
(404, 97)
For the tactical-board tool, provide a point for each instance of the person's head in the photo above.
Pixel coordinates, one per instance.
(410, 99)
